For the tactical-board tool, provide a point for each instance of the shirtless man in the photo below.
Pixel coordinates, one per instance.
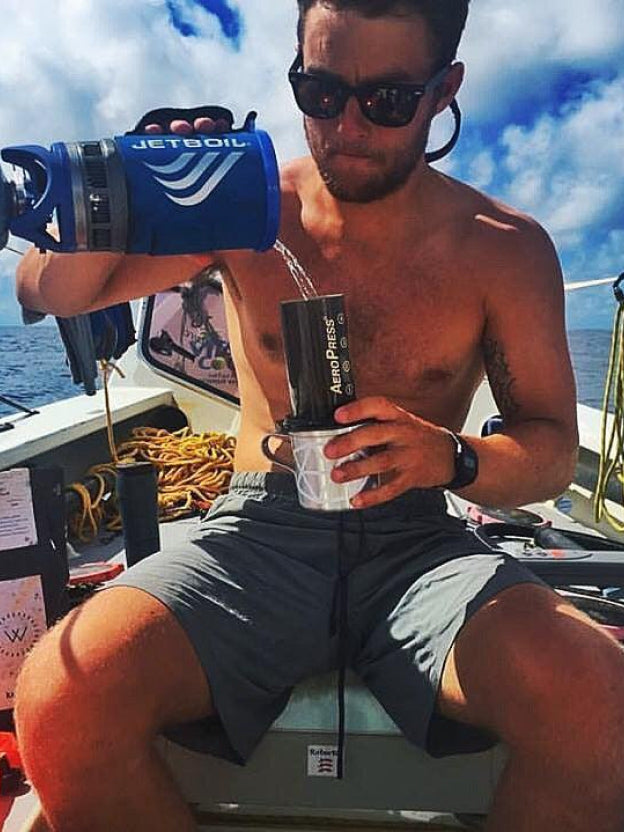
(441, 283)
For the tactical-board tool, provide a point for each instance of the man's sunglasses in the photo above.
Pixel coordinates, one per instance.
(384, 104)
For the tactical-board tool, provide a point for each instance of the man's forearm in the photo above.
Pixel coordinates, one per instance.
(69, 284)
(530, 462)
(63, 284)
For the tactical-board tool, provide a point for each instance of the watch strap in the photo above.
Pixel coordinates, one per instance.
(466, 463)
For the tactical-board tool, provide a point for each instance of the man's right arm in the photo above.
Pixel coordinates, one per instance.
(70, 284)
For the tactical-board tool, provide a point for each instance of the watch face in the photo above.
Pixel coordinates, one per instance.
(469, 463)
(466, 464)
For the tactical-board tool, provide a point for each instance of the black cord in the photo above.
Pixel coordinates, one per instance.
(342, 616)
(340, 625)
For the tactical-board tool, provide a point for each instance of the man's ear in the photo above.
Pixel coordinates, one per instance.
(450, 87)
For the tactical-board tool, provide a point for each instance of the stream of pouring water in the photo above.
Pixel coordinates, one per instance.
(306, 288)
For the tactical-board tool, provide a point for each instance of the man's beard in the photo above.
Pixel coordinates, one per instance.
(378, 184)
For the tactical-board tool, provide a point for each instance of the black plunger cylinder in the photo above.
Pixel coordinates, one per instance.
(137, 492)
(316, 348)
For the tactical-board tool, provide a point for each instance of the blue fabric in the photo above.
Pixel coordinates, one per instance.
(113, 331)
(95, 336)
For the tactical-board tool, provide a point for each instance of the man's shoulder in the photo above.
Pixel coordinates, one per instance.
(494, 229)
(507, 246)
(486, 214)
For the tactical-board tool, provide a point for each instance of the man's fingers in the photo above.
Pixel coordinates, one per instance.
(204, 125)
(209, 125)
(368, 436)
(381, 494)
(371, 407)
(375, 463)
(184, 128)
(181, 127)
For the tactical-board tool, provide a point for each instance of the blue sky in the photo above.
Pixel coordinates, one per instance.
(543, 101)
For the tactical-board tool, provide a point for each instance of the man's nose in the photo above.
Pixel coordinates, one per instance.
(352, 121)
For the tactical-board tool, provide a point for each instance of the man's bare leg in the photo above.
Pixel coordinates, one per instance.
(91, 698)
(550, 683)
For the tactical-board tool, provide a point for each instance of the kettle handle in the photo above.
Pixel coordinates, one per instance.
(266, 450)
(40, 164)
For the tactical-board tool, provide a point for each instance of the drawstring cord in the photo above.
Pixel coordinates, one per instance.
(340, 622)
(343, 641)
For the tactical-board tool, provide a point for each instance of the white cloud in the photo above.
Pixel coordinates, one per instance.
(545, 84)
(86, 69)
(568, 171)
(516, 51)
(83, 69)
(482, 169)
(108, 63)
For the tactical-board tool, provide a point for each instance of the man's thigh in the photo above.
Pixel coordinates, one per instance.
(257, 618)
(427, 599)
(524, 654)
(121, 655)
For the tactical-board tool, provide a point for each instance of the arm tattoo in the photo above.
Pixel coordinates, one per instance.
(500, 378)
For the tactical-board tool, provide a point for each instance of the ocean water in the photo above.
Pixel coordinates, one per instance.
(590, 349)
(34, 371)
(33, 367)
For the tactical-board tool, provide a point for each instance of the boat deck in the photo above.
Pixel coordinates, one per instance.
(274, 791)
(255, 797)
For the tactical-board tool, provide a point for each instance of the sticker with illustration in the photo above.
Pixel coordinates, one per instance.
(185, 335)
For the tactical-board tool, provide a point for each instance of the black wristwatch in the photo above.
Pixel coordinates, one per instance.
(466, 464)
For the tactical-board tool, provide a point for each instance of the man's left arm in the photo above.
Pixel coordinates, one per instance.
(528, 366)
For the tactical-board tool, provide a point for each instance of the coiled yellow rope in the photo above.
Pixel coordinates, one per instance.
(192, 471)
(612, 444)
(95, 512)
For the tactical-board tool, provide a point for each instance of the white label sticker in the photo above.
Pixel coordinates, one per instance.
(322, 761)
(22, 623)
(17, 515)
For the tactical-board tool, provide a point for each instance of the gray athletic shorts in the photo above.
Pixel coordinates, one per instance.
(255, 590)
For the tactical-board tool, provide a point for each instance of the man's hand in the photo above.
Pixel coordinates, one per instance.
(185, 128)
(408, 452)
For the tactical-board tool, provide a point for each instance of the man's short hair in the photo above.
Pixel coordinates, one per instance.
(446, 18)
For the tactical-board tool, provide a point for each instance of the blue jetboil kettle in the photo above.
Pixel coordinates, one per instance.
(146, 194)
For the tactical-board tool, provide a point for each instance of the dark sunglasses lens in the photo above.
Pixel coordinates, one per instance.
(317, 97)
(390, 106)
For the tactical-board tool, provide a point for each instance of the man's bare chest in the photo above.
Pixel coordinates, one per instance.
(413, 325)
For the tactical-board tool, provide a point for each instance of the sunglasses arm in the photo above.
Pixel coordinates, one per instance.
(436, 155)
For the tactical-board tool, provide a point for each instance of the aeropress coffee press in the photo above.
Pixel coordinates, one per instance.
(320, 380)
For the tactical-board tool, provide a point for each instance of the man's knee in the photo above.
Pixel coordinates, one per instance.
(573, 719)
(572, 693)
(539, 673)
(119, 665)
(579, 710)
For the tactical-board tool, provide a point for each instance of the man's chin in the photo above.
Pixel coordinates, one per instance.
(350, 195)
(348, 190)
(359, 179)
